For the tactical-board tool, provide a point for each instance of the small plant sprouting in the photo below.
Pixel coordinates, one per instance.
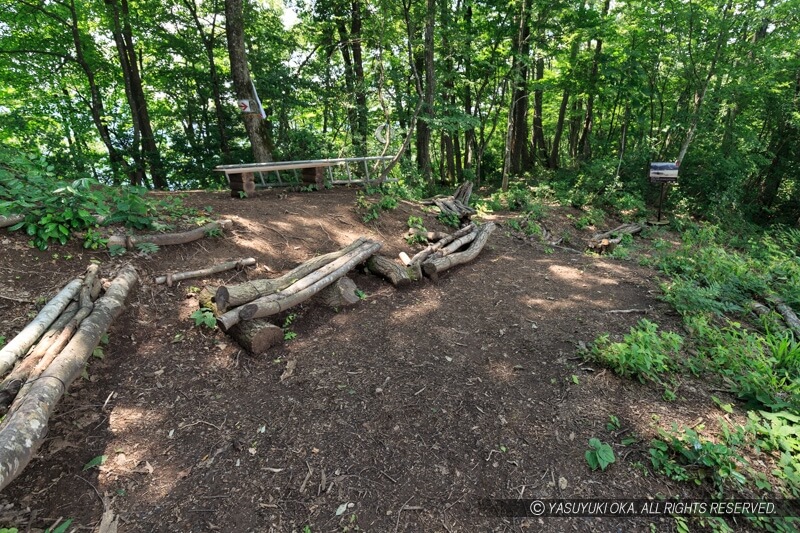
(451, 220)
(59, 528)
(416, 237)
(97, 461)
(361, 294)
(146, 248)
(288, 334)
(613, 423)
(115, 250)
(599, 455)
(204, 317)
(213, 232)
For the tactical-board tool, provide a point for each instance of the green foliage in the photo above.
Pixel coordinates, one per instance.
(97, 461)
(116, 250)
(644, 353)
(613, 423)
(63, 527)
(685, 456)
(599, 455)
(361, 294)
(9, 530)
(416, 223)
(2, 341)
(146, 248)
(288, 334)
(204, 317)
(371, 210)
(449, 219)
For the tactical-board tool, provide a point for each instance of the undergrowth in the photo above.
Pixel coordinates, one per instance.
(712, 279)
(55, 210)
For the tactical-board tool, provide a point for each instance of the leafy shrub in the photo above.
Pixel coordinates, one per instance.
(644, 353)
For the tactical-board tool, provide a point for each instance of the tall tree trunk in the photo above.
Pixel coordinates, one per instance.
(585, 140)
(134, 90)
(209, 40)
(358, 70)
(242, 85)
(423, 124)
(538, 143)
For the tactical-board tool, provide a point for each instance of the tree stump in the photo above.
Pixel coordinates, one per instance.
(242, 183)
(342, 293)
(256, 336)
(397, 275)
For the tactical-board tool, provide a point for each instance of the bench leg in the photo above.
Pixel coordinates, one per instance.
(242, 182)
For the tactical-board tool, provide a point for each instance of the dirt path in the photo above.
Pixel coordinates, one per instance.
(402, 411)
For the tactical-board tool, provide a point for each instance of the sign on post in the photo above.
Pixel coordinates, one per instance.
(663, 172)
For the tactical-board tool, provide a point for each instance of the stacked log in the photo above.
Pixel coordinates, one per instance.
(455, 205)
(257, 299)
(169, 279)
(449, 256)
(64, 335)
(606, 242)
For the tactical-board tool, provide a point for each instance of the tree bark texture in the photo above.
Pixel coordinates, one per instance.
(167, 239)
(10, 220)
(306, 287)
(26, 338)
(422, 256)
(169, 279)
(256, 336)
(341, 293)
(399, 276)
(242, 83)
(22, 432)
(227, 297)
(433, 267)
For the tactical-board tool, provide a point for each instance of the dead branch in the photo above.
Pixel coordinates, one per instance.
(434, 266)
(422, 256)
(169, 279)
(166, 239)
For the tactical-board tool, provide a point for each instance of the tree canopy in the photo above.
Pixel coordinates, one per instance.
(576, 94)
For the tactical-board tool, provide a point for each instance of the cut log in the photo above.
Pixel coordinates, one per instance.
(26, 338)
(427, 235)
(23, 432)
(10, 220)
(14, 381)
(166, 239)
(341, 293)
(422, 256)
(235, 295)
(787, 313)
(605, 242)
(456, 245)
(256, 336)
(169, 279)
(399, 276)
(433, 267)
(303, 289)
(206, 298)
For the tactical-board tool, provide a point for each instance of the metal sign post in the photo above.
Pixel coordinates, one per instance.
(663, 173)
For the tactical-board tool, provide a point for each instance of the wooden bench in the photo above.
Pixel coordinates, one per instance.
(241, 178)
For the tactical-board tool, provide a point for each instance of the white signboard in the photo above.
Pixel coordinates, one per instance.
(244, 106)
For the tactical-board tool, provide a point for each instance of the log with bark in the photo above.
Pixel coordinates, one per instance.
(166, 239)
(607, 241)
(24, 429)
(10, 220)
(762, 310)
(435, 266)
(399, 276)
(423, 255)
(463, 192)
(26, 338)
(301, 290)
(169, 279)
(228, 296)
(342, 293)
(787, 313)
(427, 235)
(455, 205)
(256, 336)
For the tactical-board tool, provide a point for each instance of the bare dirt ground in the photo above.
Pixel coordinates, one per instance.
(402, 412)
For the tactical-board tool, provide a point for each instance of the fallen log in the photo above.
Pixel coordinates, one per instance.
(300, 291)
(422, 256)
(427, 235)
(26, 338)
(341, 293)
(606, 241)
(456, 244)
(762, 310)
(399, 276)
(256, 336)
(17, 377)
(169, 279)
(435, 266)
(10, 220)
(235, 295)
(23, 431)
(167, 239)
(787, 313)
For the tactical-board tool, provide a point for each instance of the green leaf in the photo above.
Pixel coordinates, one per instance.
(97, 461)
(62, 528)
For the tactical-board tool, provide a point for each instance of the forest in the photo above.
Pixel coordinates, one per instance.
(576, 96)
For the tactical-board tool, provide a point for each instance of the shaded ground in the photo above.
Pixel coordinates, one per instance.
(408, 407)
